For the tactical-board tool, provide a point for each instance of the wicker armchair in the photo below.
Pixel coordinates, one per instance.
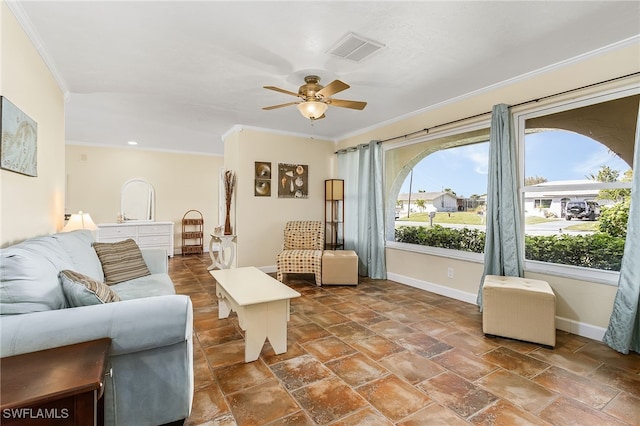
(302, 249)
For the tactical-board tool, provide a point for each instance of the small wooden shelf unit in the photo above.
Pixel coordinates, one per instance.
(192, 232)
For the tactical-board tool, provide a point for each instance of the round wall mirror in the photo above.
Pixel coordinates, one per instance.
(137, 201)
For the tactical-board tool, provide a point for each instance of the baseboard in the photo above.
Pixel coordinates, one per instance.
(434, 288)
(268, 269)
(571, 326)
(580, 328)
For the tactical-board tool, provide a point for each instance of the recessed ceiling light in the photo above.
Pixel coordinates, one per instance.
(132, 143)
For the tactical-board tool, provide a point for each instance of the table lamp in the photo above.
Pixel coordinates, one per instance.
(80, 220)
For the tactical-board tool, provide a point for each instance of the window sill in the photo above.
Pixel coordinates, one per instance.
(437, 251)
(574, 272)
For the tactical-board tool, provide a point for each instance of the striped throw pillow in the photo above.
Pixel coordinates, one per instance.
(81, 290)
(121, 261)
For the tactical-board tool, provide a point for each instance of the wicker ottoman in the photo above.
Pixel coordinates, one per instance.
(339, 267)
(519, 308)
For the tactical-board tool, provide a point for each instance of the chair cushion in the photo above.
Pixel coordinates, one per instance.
(300, 240)
(81, 290)
(121, 261)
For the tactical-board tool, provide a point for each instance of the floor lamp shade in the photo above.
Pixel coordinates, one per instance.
(334, 189)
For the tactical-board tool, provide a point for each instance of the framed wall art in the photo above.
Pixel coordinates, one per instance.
(262, 187)
(18, 150)
(293, 180)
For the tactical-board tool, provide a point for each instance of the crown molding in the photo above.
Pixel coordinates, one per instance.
(138, 148)
(23, 19)
(237, 128)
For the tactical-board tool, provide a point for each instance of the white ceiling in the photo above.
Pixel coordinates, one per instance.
(178, 75)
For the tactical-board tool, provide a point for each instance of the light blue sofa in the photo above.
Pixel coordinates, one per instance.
(151, 327)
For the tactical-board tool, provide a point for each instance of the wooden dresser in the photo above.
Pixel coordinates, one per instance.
(146, 234)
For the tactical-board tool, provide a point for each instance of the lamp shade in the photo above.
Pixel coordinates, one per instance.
(80, 220)
(334, 189)
(312, 110)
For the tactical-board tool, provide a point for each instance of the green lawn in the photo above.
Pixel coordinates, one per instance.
(464, 218)
(584, 226)
(532, 220)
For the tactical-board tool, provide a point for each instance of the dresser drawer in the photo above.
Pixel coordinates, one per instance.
(153, 240)
(112, 232)
(154, 229)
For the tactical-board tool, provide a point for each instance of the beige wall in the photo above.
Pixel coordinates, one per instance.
(31, 206)
(181, 181)
(260, 220)
(582, 307)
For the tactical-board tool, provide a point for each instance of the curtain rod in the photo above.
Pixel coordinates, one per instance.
(531, 101)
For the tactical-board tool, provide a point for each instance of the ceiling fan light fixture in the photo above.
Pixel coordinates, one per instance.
(312, 109)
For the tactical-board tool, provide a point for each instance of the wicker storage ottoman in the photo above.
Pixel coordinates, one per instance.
(339, 267)
(519, 308)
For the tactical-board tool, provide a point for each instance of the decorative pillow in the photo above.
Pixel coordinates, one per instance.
(121, 261)
(300, 240)
(81, 290)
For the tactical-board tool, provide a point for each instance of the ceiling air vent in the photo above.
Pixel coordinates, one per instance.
(355, 48)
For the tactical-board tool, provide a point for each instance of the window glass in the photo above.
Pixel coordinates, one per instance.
(442, 201)
(577, 189)
(575, 164)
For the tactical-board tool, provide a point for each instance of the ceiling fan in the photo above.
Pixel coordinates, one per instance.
(317, 98)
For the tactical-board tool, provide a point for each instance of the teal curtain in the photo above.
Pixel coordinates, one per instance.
(623, 333)
(362, 172)
(503, 247)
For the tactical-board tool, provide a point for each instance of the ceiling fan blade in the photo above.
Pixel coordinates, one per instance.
(279, 106)
(332, 88)
(347, 104)
(277, 89)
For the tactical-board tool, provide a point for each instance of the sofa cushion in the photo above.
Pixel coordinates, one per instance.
(77, 245)
(151, 285)
(49, 249)
(81, 290)
(28, 283)
(121, 261)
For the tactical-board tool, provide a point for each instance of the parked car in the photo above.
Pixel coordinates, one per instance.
(582, 210)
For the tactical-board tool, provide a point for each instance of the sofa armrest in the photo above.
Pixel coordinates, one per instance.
(156, 260)
(133, 325)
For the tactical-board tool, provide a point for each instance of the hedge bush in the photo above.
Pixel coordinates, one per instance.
(464, 239)
(598, 251)
(613, 220)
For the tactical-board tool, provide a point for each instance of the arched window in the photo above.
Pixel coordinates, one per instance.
(577, 157)
(574, 163)
(438, 189)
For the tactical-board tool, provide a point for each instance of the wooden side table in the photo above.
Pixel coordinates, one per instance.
(59, 386)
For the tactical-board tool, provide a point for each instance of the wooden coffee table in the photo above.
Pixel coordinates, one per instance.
(262, 305)
(60, 386)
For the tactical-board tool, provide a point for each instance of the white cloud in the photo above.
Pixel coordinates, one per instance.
(594, 161)
(479, 157)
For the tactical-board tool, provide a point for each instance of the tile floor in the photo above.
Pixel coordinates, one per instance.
(383, 353)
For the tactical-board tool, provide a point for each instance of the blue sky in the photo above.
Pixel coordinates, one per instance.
(554, 155)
